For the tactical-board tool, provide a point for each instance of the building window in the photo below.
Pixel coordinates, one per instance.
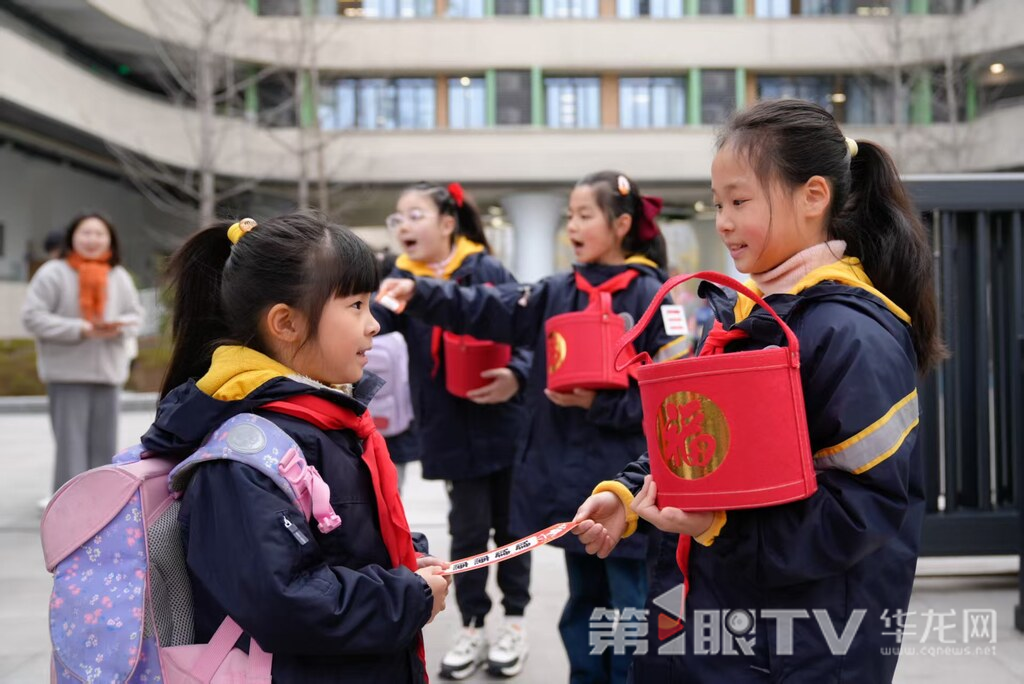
(397, 9)
(864, 8)
(570, 9)
(655, 102)
(466, 9)
(716, 7)
(512, 8)
(659, 9)
(377, 9)
(772, 8)
(718, 95)
(467, 102)
(864, 100)
(514, 98)
(816, 89)
(378, 103)
(573, 102)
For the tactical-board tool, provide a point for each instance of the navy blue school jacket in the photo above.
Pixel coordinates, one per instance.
(565, 452)
(849, 551)
(329, 611)
(458, 438)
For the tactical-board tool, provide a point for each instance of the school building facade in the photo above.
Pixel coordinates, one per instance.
(344, 102)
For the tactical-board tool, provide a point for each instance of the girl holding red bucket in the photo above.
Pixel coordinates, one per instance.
(467, 425)
(810, 590)
(577, 436)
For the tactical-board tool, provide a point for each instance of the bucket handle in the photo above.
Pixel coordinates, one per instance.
(713, 277)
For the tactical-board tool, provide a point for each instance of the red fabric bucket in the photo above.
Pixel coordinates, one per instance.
(725, 431)
(466, 357)
(581, 348)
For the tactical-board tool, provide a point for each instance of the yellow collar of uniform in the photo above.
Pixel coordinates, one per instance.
(463, 248)
(847, 271)
(640, 260)
(236, 371)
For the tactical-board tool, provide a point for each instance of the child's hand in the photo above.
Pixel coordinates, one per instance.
(603, 522)
(438, 587)
(669, 519)
(395, 293)
(578, 398)
(431, 562)
(501, 389)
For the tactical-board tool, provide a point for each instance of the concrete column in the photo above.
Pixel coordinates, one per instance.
(535, 217)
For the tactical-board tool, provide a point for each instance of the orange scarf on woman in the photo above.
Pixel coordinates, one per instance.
(92, 284)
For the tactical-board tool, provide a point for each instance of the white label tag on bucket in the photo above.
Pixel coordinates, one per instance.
(674, 318)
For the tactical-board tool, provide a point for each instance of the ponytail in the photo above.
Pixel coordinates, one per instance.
(198, 321)
(453, 201)
(882, 228)
(789, 142)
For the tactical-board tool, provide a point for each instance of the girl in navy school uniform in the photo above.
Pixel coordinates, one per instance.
(826, 230)
(470, 443)
(575, 439)
(281, 314)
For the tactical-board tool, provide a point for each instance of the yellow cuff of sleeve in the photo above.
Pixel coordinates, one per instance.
(626, 497)
(707, 538)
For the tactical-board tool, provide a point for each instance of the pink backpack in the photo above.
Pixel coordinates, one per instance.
(392, 405)
(121, 608)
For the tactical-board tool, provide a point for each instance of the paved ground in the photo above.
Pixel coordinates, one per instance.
(938, 656)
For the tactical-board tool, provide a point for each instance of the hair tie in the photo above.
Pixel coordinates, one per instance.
(624, 185)
(237, 230)
(650, 207)
(457, 193)
(851, 145)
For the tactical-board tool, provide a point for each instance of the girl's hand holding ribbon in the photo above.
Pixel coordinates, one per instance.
(602, 522)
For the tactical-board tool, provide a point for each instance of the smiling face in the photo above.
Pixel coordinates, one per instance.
(425, 235)
(337, 354)
(762, 228)
(593, 240)
(91, 238)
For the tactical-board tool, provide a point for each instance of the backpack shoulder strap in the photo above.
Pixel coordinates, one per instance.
(260, 444)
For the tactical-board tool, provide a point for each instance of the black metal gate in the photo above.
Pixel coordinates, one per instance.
(973, 405)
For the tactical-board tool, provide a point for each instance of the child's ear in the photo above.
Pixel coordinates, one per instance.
(285, 324)
(622, 225)
(447, 225)
(817, 195)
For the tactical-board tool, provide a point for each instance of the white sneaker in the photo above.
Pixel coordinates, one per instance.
(468, 653)
(508, 654)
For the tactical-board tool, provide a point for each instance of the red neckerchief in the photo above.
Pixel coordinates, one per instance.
(715, 342)
(394, 527)
(613, 284)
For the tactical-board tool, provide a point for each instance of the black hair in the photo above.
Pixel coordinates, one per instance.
(54, 240)
(222, 290)
(615, 204)
(468, 222)
(66, 249)
(385, 262)
(790, 141)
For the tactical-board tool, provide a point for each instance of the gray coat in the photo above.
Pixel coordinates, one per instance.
(51, 313)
